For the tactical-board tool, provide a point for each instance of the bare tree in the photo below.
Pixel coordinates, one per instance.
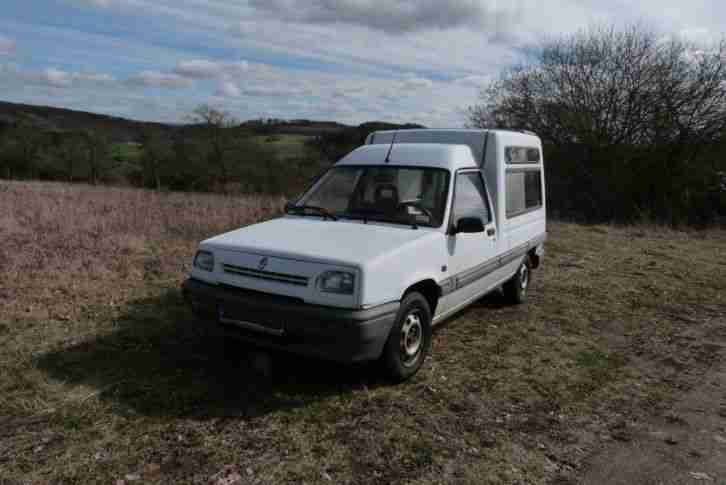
(97, 154)
(70, 153)
(157, 151)
(637, 112)
(216, 125)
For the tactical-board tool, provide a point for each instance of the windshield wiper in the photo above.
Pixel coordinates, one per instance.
(302, 208)
(364, 215)
(375, 216)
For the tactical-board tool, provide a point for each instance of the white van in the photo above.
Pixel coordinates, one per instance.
(394, 238)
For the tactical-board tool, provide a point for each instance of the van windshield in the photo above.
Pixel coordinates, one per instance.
(400, 195)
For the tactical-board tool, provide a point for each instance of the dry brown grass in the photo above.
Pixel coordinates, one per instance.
(100, 377)
(65, 245)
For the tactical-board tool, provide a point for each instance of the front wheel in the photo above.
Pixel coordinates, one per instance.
(515, 290)
(410, 338)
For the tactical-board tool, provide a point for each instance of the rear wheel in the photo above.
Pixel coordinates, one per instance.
(410, 338)
(515, 290)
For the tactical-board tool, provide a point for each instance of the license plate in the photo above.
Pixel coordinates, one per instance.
(242, 319)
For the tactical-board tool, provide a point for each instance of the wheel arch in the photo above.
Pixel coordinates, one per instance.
(534, 259)
(429, 289)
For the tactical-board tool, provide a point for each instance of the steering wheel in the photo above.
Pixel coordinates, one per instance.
(418, 205)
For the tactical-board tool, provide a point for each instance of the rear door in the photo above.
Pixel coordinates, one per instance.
(524, 196)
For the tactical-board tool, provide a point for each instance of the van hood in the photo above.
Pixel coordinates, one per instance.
(342, 242)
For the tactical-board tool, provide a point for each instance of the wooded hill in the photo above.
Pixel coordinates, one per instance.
(212, 152)
(123, 130)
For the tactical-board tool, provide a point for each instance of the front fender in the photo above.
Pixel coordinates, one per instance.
(388, 276)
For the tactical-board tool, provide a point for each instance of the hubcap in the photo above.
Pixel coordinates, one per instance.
(411, 339)
(523, 277)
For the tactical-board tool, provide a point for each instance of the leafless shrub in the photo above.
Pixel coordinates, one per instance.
(635, 122)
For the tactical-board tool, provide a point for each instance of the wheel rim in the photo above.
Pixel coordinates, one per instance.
(523, 277)
(411, 339)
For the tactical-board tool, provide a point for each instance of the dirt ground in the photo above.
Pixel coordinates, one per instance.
(613, 372)
(685, 444)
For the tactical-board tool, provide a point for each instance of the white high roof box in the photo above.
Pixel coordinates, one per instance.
(450, 157)
(475, 139)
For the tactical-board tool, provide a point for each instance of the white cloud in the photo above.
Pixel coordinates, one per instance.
(198, 69)
(98, 3)
(56, 77)
(205, 69)
(7, 46)
(292, 93)
(94, 77)
(159, 80)
(350, 60)
(391, 16)
(414, 82)
(228, 89)
(53, 77)
(474, 81)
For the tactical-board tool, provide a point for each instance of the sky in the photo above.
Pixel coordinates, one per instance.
(418, 61)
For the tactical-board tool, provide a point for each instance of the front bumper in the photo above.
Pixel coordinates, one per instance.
(330, 333)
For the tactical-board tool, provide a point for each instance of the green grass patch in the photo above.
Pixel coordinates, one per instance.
(127, 152)
(286, 146)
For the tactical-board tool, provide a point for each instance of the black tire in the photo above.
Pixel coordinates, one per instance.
(410, 339)
(516, 289)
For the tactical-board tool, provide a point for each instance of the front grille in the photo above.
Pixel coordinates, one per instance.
(265, 275)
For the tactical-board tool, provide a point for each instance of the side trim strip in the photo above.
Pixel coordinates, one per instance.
(469, 276)
(376, 305)
(451, 311)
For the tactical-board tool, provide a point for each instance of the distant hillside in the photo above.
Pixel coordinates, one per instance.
(47, 118)
(255, 156)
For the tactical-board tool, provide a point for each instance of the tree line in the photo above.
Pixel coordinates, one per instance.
(634, 124)
(211, 152)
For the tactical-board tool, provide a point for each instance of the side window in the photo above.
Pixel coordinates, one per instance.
(515, 155)
(470, 198)
(524, 191)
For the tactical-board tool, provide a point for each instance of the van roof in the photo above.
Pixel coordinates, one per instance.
(476, 139)
(447, 156)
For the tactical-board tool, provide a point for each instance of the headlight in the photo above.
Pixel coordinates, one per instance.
(336, 282)
(204, 260)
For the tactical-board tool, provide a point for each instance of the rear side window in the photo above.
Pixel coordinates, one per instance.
(515, 155)
(470, 199)
(524, 191)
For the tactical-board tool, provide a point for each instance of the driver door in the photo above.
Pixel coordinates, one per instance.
(472, 257)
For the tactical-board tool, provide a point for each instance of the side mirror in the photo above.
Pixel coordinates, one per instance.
(469, 225)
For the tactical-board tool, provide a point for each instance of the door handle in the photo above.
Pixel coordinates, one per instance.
(491, 231)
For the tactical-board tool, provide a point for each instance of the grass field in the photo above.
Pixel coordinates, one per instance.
(102, 380)
(286, 146)
(127, 152)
